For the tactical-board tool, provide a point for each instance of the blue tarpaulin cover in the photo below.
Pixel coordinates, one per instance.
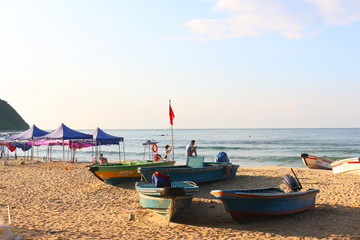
(31, 133)
(64, 132)
(24, 146)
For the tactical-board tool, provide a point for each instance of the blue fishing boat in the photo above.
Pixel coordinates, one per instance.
(195, 170)
(247, 204)
(166, 201)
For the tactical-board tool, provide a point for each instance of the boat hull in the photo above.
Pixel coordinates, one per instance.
(314, 162)
(119, 172)
(346, 166)
(162, 206)
(210, 172)
(166, 202)
(247, 204)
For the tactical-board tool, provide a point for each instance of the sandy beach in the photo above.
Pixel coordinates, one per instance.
(49, 202)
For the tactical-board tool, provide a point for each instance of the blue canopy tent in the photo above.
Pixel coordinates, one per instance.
(30, 134)
(102, 138)
(65, 133)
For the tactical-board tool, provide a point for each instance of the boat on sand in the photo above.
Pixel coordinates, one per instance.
(115, 173)
(346, 166)
(315, 162)
(195, 170)
(166, 201)
(247, 204)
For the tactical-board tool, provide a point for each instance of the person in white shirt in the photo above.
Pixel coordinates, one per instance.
(191, 149)
(167, 153)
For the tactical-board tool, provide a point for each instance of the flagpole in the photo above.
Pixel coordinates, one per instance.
(172, 137)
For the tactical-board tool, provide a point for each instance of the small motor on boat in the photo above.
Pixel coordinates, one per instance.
(292, 183)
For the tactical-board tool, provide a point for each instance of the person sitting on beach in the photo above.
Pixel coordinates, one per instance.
(191, 149)
(103, 160)
(167, 153)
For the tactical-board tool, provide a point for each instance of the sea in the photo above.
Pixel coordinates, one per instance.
(244, 146)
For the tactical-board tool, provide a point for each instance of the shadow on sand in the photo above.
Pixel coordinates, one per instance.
(209, 212)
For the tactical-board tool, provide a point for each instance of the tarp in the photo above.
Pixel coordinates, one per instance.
(11, 147)
(64, 132)
(101, 136)
(24, 146)
(29, 134)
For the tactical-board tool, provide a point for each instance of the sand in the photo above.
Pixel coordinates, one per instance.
(49, 202)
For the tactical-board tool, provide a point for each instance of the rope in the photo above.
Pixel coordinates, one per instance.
(282, 164)
(346, 153)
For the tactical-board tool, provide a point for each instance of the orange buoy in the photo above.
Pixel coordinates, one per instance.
(154, 148)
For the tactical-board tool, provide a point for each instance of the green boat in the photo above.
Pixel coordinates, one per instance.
(115, 173)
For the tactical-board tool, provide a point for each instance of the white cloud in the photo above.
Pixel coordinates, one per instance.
(293, 19)
(338, 12)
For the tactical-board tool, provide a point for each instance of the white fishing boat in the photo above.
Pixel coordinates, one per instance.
(346, 166)
(315, 162)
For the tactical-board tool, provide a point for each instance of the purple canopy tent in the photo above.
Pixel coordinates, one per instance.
(32, 133)
(29, 134)
(65, 133)
(102, 138)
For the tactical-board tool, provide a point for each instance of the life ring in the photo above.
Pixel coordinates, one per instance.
(154, 148)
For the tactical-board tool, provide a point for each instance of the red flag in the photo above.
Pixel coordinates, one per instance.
(171, 114)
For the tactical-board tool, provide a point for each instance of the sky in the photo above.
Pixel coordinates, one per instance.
(223, 63)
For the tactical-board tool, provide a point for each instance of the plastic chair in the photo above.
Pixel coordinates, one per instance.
(7, 233)
(195, 162)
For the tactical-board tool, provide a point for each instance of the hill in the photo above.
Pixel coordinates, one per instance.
(10, 119)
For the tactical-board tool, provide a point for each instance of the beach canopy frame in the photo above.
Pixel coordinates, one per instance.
(32, 133)
(102, 138)
(63, 132)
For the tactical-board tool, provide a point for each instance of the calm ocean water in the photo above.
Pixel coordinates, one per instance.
(247, 147)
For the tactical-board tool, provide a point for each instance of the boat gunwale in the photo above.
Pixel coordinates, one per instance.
(185, 168)
(342, 162)
(188, 189)
(311, 157)
(120, 167)
(264, 195)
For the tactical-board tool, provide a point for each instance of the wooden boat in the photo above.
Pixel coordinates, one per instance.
(166, 201)
(247, 204)
(315, 162)
(115, 173)
(196, 170)
(346, 166)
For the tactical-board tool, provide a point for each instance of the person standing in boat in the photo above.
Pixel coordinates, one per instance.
(191, 149)
(167, 152)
